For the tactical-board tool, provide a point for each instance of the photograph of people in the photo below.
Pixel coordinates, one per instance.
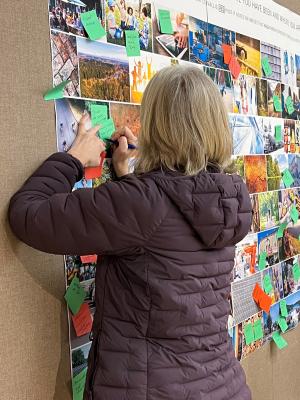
(133, 15)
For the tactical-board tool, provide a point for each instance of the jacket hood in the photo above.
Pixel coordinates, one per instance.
(216, 205)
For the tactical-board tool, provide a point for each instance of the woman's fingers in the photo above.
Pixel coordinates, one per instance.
(93, 130)
(123, 145)
(125, 131)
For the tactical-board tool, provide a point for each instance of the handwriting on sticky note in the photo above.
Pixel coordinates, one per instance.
(258, 330)
(287, 178)
(78, 385)
(283, 308)
(107, 128)
(282, 324)
(98, 113)
(92, 25)
(277, 104)
(294, 213)
(267, 284)
(90, 259)
(296, 271)
(278, 339)
(289, 105)
(278, 133)
(234, 67)
(83, 320)
(227, 51)
(75, 295)
(262, 260)
(132, 44)
(266, 66)
(57, 92)
(165, 22)
(249, 334)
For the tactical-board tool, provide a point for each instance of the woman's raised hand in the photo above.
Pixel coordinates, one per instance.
(87, 146)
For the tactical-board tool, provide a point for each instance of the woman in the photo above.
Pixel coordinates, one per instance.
(166, 235)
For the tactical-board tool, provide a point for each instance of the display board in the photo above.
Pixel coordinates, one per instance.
(33, 345)
(250, 51)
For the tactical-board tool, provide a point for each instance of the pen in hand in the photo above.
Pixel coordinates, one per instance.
(130, 146)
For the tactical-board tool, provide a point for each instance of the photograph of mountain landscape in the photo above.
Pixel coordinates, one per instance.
(104, 72)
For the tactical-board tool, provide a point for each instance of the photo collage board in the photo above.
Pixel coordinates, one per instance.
(264, 115)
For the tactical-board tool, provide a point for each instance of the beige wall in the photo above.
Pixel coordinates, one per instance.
(34, 350)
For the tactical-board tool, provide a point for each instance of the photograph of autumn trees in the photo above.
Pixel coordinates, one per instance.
(104, 71)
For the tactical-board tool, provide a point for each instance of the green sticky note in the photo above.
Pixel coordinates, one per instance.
(75, 295)
(278, 339)
(258, 331)
(107, 128)
(98, 113)
(282, 324)
(266, 66)
(78, 384)
(267, 284)
(283, 308)
(165, 21)
(262, 260)
(57, 92)
(277, 103)
(281, 230)
(289, 105)
(278, 133)
(287, 178)
(296, 271)
(132, 44)
(294, 213)
(92, 25)
(249, 334)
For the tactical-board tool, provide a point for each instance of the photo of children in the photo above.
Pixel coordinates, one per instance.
(274, 57)
(131, 15)
(141, 70)
(297, 62)
(247, 135)
(275, 275)
(206, 43)
(262, 97)
(245, 263)
(293, 92)
(267, 241)
(271, 143)
(65, 62)
(276, 164)
(68, 114)
(245, 97)
(248, 54)
(66, 15)
(104, 71)
(288, 68)
(256, 173)
(224, 82)
(274, 89)
(290, 139)
(268, 210)
(255, 225)
(250, 348)
(174, 45)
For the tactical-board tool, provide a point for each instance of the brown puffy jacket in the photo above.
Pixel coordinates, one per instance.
(162, 287)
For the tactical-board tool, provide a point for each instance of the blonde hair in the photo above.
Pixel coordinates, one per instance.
(184, 124)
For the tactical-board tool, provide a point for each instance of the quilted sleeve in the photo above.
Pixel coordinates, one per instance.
(114, 218)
